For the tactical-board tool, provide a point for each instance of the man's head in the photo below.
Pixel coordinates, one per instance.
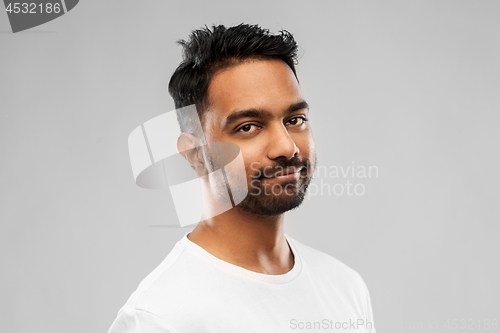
(243, 82)
(209, 51)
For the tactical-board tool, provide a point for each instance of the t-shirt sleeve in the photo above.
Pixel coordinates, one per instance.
(369, 313)
(131, 320)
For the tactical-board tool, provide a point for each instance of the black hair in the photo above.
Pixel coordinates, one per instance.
(208, 51)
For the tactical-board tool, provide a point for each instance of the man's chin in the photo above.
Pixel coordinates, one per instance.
(266, 210)
(271, 205)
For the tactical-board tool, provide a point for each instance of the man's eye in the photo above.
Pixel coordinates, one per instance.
(296, 121)
(248, 128)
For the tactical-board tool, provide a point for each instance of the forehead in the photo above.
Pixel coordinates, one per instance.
(255, 84)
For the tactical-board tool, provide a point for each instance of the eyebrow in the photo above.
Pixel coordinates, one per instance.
(259, 113)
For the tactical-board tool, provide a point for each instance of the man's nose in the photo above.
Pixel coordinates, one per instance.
(281, 144)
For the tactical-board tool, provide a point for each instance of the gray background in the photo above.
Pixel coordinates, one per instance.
(409, 86)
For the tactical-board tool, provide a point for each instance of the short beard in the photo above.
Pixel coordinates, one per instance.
(262, 203)
(270, 204)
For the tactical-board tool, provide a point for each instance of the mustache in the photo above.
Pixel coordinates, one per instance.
(279, 166)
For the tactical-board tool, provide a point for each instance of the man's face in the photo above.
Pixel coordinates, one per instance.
(258, 105)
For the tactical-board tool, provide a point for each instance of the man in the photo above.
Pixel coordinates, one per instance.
(238, 271)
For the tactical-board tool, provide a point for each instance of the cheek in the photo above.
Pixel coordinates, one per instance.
(312, 148)
(252, 157)
(308, 151)
(306, 144)
(251, 164)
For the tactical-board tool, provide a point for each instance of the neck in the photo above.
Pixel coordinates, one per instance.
(253, 242)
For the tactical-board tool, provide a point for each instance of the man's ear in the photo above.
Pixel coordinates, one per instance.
(191, 149)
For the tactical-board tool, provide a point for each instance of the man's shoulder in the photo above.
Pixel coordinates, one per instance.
(178, 269)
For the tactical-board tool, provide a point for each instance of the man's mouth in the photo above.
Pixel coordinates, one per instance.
(286, 174)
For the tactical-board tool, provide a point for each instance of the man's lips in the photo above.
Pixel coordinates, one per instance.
(288, 173)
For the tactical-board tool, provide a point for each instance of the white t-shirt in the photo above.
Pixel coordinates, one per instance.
(192, 291)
